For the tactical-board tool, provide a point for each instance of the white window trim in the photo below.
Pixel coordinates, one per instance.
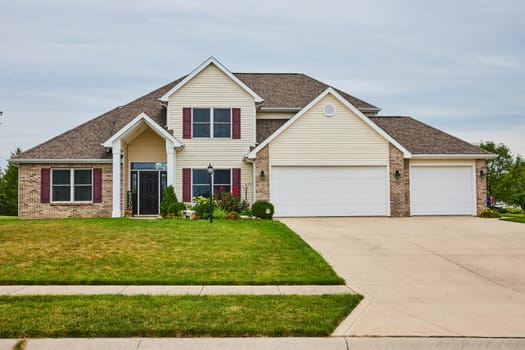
(212, 121)
(71, 185)
(212, 179)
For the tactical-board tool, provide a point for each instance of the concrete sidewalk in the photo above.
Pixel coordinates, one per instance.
(175, 290)
(339, 343)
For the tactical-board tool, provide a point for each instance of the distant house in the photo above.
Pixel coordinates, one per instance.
(309, 148)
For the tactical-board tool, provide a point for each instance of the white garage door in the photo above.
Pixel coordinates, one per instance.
(441, 190)
(329, 191)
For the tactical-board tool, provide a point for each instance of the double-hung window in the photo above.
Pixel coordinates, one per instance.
(72, 185)
(201, 182)
(212, 122)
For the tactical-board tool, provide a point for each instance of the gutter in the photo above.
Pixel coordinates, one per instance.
(59, 161)
(454, 156)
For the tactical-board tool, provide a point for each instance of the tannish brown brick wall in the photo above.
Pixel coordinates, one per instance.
(29, 194)
(481, 186)
(262, 163)
(399, 188)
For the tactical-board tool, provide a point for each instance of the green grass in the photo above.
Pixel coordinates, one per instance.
(172, 316)
(8, 218)
(127, 251)
(514, 218)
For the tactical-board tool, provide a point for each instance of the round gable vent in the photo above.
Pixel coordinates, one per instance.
(329, 110)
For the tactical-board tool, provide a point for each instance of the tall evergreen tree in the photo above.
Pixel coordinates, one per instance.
(9, 188)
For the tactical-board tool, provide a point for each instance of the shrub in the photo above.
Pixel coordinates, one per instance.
(514, 210)
(230, 201)
(232, 216)
(169, 202)
(259, 209)
(489, 213)
(179, 208)
(219, 213)
(202, 207)
(246, 212)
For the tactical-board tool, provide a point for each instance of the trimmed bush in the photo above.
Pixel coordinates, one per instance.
(489, 213)
(169, 200)
(259, 209)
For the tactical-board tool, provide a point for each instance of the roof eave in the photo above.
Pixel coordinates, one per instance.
(58, 161)
(455, 156)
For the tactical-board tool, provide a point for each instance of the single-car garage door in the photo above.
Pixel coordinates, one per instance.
(442, 190)
(329, 191)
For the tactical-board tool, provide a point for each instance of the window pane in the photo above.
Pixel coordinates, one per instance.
(83, 193)
(200, 176)
(221, 115)
(61, 177)
(201, 115)
(221, 177)
(82, 177)
(201, 190)
(221, 130)
(201, 130)
(61, 194)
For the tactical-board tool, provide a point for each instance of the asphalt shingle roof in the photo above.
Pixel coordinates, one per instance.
(278, 90)
(421, 138)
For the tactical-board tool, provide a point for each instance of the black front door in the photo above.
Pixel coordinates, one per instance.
(149, 192)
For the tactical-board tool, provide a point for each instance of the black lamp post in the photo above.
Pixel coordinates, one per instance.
(210, 174)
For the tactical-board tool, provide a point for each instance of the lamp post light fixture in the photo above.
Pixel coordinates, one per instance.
(210, 174)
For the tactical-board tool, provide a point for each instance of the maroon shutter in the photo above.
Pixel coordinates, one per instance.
(45, 181)
(236, 123)
(97, 185)
(186, 185)
(236, 180)
(186, 123)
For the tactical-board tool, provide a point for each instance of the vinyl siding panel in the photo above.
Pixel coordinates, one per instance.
(147, 147)
(212, 88)
(343, 139)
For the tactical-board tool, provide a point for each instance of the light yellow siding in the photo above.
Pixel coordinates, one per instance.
(274, 115)
(147, 147)
(212, 88)
(315, 139)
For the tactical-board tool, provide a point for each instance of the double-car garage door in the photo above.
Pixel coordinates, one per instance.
(364, 190)
(330, 191)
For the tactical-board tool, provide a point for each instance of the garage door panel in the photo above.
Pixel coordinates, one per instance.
(441, 190)
(329, 191)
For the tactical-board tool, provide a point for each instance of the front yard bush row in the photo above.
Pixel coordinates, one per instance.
(489, 213)
(226, 205)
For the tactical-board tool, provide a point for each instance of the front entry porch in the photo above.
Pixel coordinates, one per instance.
(147, 190)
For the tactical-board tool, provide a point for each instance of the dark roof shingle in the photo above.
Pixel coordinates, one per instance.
(420, 138)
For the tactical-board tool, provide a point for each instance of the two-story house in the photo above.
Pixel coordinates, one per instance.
(310, 149)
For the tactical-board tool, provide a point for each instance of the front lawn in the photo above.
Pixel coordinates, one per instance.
(128, 251)
(514, 218)
(172, 316)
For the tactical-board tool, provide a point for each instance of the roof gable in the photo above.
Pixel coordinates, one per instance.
(135, 123)
(331, 91)
(216, 63)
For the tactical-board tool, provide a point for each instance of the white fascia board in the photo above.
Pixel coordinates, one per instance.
(348, 105)
(59, 161)
(211, 60)
(454, 156)
(150, 122)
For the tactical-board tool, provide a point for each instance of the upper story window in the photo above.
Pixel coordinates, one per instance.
(72, 185)
(212, 121)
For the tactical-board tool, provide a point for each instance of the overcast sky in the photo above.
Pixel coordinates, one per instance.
(457, 65)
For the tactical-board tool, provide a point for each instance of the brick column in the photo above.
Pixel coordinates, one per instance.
(481, 186)
(399, 187)
(262, 163)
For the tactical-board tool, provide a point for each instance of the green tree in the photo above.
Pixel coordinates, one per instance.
(514, 182)
(497, 168)
(9, 188)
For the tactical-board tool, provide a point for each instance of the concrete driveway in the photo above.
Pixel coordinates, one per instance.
(427, 276)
